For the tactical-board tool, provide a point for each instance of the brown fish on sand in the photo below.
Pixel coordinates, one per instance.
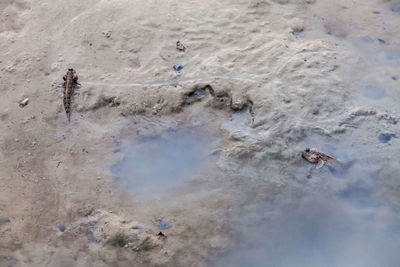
(314, 156)
(70, 83)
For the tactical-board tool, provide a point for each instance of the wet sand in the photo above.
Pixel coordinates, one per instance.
(261, 81)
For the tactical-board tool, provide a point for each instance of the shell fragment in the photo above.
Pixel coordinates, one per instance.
(24, 102)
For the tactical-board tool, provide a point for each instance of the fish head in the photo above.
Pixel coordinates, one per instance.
(309, 155)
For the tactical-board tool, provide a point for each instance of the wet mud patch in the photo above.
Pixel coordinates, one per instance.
(386, 137)
(394, 6)
(153, 165)
(323, 221)
(316, 230)
(359, 194)
(240, 124)
(374, 92)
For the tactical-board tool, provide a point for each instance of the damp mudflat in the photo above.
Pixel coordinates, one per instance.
(319, 230)
(322, 218)
(208, 155)
(326, 219)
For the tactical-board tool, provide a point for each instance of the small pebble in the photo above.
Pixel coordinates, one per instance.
(381, 41)
(24, 102)
(107, 34)
(178, 67)
(11, 69)
(61, 135)
(180, 46)
(62, 228)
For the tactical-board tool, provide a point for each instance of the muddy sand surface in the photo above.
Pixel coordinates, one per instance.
(192, 158)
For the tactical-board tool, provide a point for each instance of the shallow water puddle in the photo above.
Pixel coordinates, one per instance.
(323, 221)
(318, 230)
(152, 165)
(374, 92)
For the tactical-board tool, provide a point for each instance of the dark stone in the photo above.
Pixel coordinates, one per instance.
(376, 12)
(62, 135)
(381, 41)
(178, 67)
(62, 228)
